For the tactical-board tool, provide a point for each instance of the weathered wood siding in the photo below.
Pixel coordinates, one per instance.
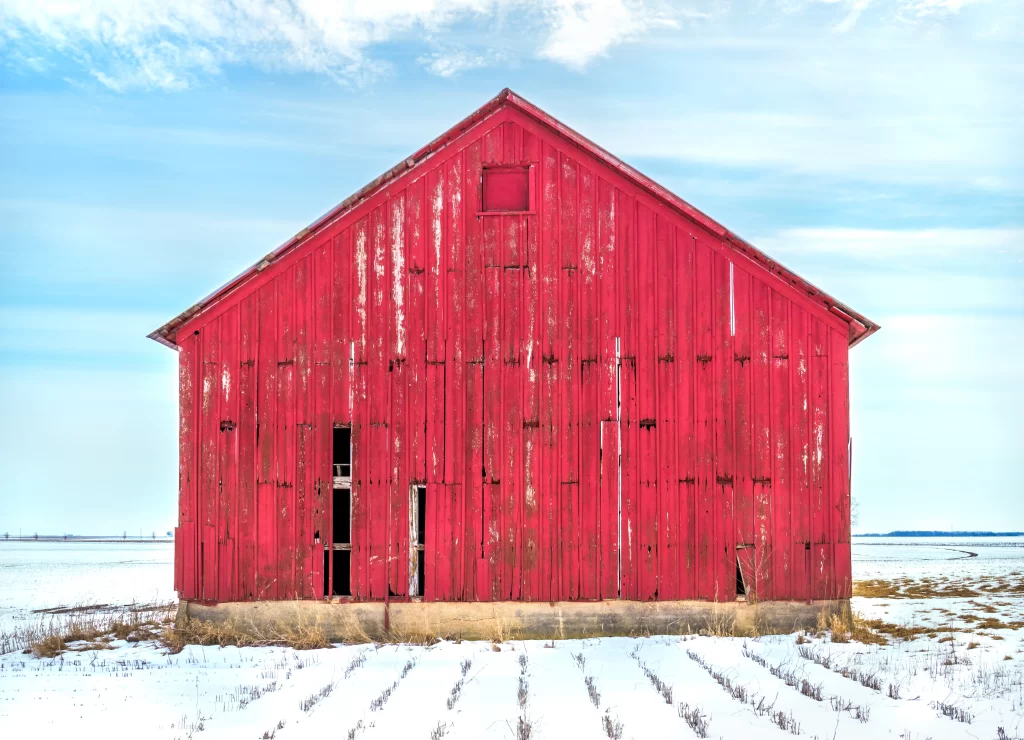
(476, 354)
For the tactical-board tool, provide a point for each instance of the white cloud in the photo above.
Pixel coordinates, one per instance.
(585, 29)
(172, 44)
(925, 8)
(169, 44)
(450, 63)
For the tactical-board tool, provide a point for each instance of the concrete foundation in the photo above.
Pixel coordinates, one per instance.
(499, 621)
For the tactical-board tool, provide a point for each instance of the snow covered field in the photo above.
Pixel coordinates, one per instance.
(36, 576)
(958, 674)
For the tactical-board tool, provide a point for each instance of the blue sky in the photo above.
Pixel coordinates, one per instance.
(151, 150)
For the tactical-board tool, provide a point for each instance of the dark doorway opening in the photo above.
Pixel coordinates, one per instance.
(338, 552)
(342, 517)
(342, 570)
(342, 457)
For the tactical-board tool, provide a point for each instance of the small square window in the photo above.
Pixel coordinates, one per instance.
(506, 189)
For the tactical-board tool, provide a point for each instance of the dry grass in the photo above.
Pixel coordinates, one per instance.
(908, 588)
(196, 632)
(937, 587)
(897, 631)
(848, 626)
(990, 623)
(87, 627)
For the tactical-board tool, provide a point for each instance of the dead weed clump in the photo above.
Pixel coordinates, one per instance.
(197, 632)
(848, 626)
(87, 627)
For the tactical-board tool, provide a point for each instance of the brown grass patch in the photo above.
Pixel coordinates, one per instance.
(847, 626)
(196, 632)
(897, 631)
(87, 627)
(908, 588)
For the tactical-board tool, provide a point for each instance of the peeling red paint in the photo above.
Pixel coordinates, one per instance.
(608, 395)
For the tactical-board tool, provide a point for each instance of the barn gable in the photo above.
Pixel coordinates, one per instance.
(555, 379)
(568, 142)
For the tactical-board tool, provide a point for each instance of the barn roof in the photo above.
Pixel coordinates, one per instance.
(860, 326)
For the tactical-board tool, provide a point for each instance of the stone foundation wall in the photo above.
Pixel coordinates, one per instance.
(418, 621)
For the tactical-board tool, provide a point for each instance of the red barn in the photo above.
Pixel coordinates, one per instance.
(514, 369)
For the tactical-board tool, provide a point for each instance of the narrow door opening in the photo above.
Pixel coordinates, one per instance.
(338, 552)
(417, 538)
(746, 571)
(341, 544)
(741, 589)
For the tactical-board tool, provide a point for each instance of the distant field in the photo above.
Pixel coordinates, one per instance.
(948, 612)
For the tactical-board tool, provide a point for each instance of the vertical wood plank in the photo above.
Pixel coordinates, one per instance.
(398, 540)
(286, 436)
(568, 379)
(801, 454)
(304, 440)
(247, 392)
(492, 428)
(761, 447)
(512, 420)
(323, 425)
(725, 536)
(704, 414)
(839, 438)
(744, 423)
(550, 411)
(227, 452)
(209, 433)
(343, 273)
(667, 424)
(530, 358)
(629, 306)
(647, 391)
(378, 376)
(266, 474)
(782, 504)
(821, 550)
(474, 354)
(686, 419)
(361, 441)
(187, 483)
(589, 424)
(607, 391)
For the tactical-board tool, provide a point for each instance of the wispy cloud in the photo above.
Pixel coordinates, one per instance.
(449, 63)
(171, 44)
(582, 30)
